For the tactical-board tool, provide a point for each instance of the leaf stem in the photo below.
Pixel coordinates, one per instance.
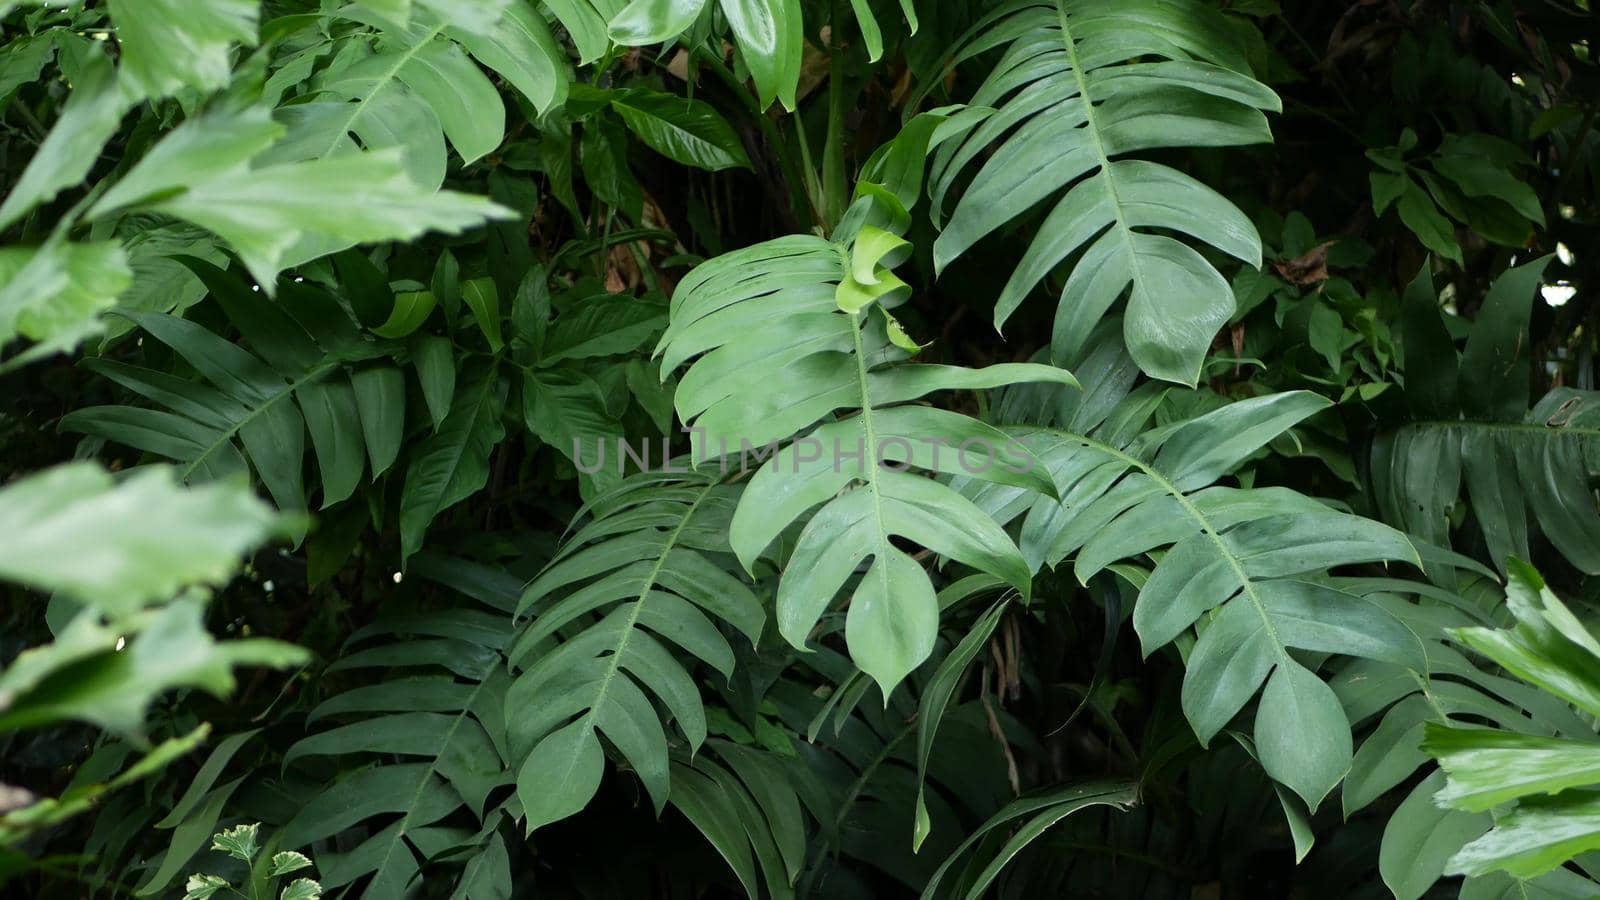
(833, 179)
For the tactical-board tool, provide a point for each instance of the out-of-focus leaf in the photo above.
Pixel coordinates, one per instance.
(119, 545)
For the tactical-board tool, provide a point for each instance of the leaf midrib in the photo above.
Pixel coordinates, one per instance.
(1093, 129)
(1511, 427)
(226, 436)
(359, 105)
(615, 663)
(490, 382)
(1247, 583)
(432, 769)
(881, 558)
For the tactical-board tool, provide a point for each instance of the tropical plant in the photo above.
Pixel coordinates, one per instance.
(588, 448)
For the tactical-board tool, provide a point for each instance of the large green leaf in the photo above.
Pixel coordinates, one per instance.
(1511, 460)
(201, 172)
(168, 45)
(438, 707)
(120, 545)
(567, 410)
(653, 21)
(1487, 768)
(94, 673)
(793, 331)
(1247, 567)
(54, 294)
(1516, 754)
(265, 404)
(88, 119)
(415, 84)
(683, 130)
(640, 571)
(1081, 83)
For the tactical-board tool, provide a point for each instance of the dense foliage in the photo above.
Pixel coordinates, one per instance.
(664, 448)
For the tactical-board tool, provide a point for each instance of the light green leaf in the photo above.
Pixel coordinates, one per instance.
(90, 116)
(800, 357)
(1537, 836)
(238, 842)
(1488, 768)
(411, 309)
(466, 102)
(769, 37)
(84, 676)
(644, 22)
(168, 45)
(200, 172)
(520, 47)
(287, 861)
(54, 294)
(484, 301)
(119, 545)
(203, 887)
(301, 889)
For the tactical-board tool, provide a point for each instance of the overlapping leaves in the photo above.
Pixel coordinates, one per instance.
(439, 708)
(265, 401)
(1246, 567)
(1550, 779)
(416, 85)
(1475, 429)
(120, 553)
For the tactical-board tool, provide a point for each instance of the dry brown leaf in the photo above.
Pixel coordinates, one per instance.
(1309, 267)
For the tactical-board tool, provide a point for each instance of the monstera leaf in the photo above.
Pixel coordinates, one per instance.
(433, 719)
(796, 331)
(1081, 84)
(640, 572)
(1247, 567)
